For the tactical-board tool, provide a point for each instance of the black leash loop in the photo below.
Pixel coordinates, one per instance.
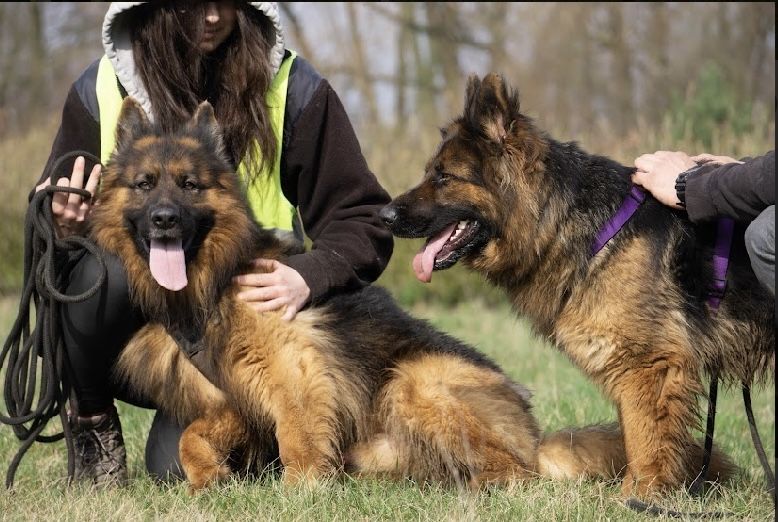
(696, 487)
(657, 511)
(757, 440)
(34, 347)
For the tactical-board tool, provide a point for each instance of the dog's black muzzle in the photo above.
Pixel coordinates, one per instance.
(165, 222)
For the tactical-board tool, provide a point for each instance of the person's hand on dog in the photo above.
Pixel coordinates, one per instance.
(276, 285)
(657, 173)
(71, 210)
(710, 158)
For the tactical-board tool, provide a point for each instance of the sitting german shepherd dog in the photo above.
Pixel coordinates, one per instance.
(524, 210)
(356, 384)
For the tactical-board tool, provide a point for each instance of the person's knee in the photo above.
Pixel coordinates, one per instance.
(114, 288)
(111, 300)
(102, 323)
(760, 235)
(760, 244)
(162, 460)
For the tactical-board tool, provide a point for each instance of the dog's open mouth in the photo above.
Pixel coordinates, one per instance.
(168, 263)
(445, 248)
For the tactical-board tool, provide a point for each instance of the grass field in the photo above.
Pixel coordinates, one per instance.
(562, 397)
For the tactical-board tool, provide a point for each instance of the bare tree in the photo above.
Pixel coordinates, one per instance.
(357, 52)
(658, 73)
(444, 49)
(613, 39)
(496, 18)
(404, 47)
(297, 31)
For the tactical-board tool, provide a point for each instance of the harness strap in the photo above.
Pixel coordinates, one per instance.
(724, 231)
(721, 250)
(627, 209)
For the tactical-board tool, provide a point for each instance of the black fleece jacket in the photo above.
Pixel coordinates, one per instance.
(737, 190)
(323, 173)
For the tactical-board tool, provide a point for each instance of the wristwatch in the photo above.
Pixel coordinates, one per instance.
(680, 184)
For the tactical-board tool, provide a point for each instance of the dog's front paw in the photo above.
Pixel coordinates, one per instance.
(200, 477)
(641, 487)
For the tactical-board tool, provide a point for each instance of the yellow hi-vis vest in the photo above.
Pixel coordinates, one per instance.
(265, 196)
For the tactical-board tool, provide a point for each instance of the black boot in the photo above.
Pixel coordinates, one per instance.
(100, 455)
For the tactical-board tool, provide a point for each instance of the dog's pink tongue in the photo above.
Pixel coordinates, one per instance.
(424, 261)
(167, 264)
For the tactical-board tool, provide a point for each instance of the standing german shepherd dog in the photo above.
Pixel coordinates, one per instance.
(355, 384)
(524, 210)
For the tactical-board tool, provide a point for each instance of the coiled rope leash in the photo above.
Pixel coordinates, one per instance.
(33, 348)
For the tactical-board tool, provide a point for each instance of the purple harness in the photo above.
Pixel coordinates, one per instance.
(721, 250)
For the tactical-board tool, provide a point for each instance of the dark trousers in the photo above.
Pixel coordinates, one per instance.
(94, 332)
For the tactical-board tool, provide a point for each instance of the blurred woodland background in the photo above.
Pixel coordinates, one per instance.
(620, 78)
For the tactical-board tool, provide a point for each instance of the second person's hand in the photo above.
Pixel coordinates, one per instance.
(275, 286)
(71, 210)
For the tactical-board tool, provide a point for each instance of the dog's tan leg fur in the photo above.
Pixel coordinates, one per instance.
(380, 457)
(447, 419)
(291, 379)
(657, 400)
(205, 446)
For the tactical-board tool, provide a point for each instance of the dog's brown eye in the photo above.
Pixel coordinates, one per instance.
(143, 185)
(190, 185)
(440, 178)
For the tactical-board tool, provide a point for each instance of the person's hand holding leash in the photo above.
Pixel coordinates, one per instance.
(71, 210)
(276, 285)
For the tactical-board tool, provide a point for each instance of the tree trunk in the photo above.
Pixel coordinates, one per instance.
(362, 73)
(444, 50)
(622, 73)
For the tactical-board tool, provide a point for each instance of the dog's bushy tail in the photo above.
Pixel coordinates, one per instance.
(598, 452)
(590, 452)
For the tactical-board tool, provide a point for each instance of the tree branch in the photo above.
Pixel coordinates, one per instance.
(436, 31)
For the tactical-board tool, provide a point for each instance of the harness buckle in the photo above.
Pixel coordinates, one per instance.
(718, 288)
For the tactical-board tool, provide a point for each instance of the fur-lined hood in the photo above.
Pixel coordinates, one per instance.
(118, 48)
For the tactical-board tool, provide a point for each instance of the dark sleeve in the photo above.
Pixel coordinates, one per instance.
(738, 190)
(78, 130)
(338, 197)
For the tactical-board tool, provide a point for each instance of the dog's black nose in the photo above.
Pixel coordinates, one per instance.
(388, 214)
(165, 218)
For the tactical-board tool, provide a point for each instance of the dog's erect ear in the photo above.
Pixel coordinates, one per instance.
(204, 117)
(491, 107)
(133, 122)
(204, 123)
(471, 93)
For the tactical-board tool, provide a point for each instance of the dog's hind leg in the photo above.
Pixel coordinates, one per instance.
(206, 444)
(657, 409)
(458, 422)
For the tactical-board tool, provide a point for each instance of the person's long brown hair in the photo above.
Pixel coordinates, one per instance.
(234, 78)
